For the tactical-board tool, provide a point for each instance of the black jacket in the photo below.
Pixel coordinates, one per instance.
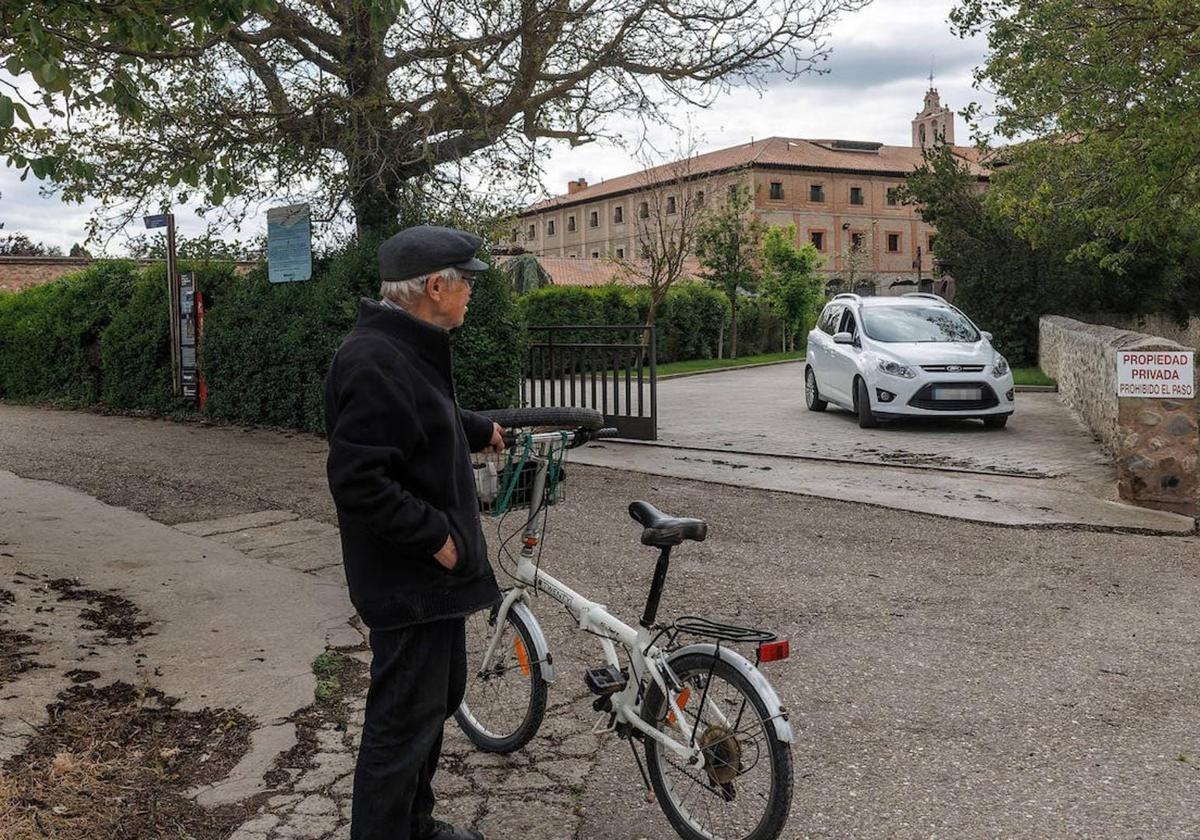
(400, 472)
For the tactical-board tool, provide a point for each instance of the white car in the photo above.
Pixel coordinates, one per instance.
(886, 358)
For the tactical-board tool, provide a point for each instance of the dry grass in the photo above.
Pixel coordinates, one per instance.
(114, 762)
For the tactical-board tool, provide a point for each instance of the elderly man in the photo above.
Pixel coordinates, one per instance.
(413, 548)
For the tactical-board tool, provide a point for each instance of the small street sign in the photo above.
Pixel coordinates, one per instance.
(157, 221)
(289, 244)
(1156, 374)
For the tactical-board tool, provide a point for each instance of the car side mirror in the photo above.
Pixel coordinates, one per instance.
(987, 335)
(843, 338)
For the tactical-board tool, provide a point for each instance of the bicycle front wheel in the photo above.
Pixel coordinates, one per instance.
(505, 702)
(744, 791)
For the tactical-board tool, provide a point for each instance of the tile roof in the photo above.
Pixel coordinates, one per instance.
(783, 152)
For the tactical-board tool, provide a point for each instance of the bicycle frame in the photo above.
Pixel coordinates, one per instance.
(647, 661)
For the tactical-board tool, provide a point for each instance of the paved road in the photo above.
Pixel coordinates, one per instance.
(948, 679)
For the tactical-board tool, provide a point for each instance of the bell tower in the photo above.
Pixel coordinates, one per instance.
(934, 123)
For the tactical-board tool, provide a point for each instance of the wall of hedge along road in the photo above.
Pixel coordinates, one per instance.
(689, 322)
(101, 338)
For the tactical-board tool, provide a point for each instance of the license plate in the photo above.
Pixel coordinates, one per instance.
(958, 393)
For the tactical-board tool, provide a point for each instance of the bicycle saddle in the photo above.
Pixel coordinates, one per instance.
(662, 530)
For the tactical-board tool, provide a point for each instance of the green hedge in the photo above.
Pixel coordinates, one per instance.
(102, 337)
(689, 322)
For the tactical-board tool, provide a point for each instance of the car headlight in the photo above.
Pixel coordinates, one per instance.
(1000, 367)
(896, 369)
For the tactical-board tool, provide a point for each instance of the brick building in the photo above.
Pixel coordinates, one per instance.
(840, 195)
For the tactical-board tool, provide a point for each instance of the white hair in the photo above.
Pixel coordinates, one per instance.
(404, 292)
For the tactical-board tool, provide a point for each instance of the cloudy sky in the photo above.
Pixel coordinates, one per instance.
(878, 74)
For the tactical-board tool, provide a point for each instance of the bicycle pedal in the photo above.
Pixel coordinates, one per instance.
(607, 680)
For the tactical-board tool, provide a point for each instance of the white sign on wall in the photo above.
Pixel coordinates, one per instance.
(1157, 374)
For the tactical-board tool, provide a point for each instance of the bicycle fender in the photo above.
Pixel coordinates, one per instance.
(778, 714)
(541, 648)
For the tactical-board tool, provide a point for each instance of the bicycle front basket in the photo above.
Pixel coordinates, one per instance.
(506, 481)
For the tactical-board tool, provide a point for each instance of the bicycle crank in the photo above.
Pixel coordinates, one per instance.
(722, 757)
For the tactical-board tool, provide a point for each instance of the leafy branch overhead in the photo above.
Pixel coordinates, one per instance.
(357, 103)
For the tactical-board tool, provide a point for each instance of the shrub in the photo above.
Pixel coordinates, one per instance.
(50, 335)
(136, 346)
(489, 347)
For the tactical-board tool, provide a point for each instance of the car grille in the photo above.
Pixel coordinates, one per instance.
(952, 368)
(924, 398)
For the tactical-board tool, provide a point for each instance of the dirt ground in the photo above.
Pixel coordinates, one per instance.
(947, 679)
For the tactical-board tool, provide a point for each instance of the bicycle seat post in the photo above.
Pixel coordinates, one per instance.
(656, 588)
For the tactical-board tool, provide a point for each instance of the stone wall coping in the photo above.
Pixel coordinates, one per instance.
(1115, 337)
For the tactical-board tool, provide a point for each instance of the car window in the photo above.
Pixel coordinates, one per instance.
(829, 319)
(849, 324)
(919, 324)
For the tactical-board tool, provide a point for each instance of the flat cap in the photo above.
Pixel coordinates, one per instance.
(416, 251)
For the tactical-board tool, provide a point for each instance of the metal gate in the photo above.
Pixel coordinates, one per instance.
(618, 379)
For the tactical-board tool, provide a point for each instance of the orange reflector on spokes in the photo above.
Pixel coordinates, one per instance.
(681, 700)
(522, 655)
(773, 651)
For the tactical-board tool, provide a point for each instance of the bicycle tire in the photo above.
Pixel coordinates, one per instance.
(567, 418)
(535, 709)
(775, 814)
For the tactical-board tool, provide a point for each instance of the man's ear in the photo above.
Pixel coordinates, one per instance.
(434, 286)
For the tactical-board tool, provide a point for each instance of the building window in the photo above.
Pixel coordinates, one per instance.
(645, 252)
(732, 191)
(700, 198)
(776, 190)
(594, 219)
(570, 223)
(856, 241)
(550, 228)
(595, 255)
(643, 210)
(618, 215)
(620, 253)
(893, 243)
(514, 235)
(817, 238)
(533, 231)
(932, 238)
(856, 196)
(572, 256)
(670, 205)
(816, 193)
(893, 196)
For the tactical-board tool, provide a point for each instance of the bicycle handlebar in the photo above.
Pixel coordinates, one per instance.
(575, 437)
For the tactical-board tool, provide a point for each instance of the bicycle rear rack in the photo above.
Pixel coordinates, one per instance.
(694, 625)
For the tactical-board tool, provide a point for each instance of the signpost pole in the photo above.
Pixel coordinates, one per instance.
(173, 296)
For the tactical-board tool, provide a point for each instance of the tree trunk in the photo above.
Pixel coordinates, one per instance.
(721, 340)
(376, 206)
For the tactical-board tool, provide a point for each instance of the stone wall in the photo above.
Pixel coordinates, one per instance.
(17, 273)
(1163, 326)
(1155, 441)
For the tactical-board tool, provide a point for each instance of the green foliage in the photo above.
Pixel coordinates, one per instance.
(50, 335)
(728, 243)
(136, 346)
(489, 348)
(1101, 98)
(103, 336)
(790, 279)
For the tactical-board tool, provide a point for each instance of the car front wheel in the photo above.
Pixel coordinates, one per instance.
(812, 396)
(862, 402)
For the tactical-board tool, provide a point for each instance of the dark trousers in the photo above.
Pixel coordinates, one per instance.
(418, 676)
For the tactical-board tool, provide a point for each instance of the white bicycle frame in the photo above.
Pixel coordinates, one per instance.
(645, 659)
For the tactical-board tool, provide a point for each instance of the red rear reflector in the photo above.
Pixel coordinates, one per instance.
(522, 655)
(773, 651)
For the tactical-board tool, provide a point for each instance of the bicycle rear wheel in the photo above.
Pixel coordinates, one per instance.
(744, 791)
(504, 705)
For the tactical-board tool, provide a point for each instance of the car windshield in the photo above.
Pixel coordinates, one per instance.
(917, 324)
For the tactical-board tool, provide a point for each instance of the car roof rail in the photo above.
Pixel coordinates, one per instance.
(850, 295)
(928, 295)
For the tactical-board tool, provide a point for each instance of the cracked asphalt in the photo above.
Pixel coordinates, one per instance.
(947, 678)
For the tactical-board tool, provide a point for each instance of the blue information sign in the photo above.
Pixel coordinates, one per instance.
(289, 244)
(157, 221)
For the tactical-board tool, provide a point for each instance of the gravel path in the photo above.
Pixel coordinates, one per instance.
(947, 678)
